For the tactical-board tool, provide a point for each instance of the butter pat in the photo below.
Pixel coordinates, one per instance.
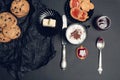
(45, 22)
(49, 22)
(52, 22)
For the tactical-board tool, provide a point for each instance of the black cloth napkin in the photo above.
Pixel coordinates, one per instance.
(31, 50)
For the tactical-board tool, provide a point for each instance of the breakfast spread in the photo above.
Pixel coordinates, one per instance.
(80, 8)
(49, 23)
(20, 8)
(82, 52)
(75, 33)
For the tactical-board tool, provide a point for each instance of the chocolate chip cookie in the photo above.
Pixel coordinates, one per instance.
(4, 39)
(7, 19)
(20, 8)
(12, 32)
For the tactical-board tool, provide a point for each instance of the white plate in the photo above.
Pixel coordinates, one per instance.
(81, 33)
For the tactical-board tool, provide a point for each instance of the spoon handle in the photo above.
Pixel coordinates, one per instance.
(100, 69)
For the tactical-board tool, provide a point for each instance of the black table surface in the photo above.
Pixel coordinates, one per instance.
(83, 69)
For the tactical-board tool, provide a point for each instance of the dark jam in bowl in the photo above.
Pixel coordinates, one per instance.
(103, 22)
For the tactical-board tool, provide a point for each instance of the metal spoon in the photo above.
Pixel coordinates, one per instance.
(100, 46)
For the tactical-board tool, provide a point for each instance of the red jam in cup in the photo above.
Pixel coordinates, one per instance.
(82, 52)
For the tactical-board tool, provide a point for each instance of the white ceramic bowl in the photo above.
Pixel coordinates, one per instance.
(76, 33)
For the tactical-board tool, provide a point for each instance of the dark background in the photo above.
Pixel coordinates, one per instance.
(83, 69)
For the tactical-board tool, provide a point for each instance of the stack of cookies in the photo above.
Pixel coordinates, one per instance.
(9, 29)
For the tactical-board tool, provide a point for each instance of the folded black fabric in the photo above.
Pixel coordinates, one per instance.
(32, 50)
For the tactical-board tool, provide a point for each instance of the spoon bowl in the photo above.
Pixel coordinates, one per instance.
(100, 43)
